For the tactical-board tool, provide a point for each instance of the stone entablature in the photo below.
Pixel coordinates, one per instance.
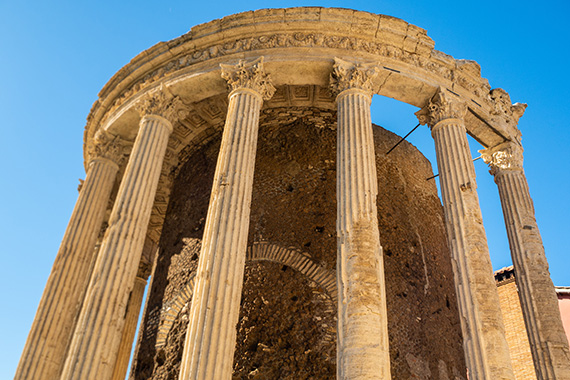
(410, 67)
(299, 46)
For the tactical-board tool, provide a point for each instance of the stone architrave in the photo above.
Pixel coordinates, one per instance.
(133, 310)
(486, 350)
(210, 341)
(362, 347)
(44, 353)
(548, 342)
(95, 345)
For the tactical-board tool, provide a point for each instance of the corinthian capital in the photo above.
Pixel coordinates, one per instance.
(502, 105)
(250, 75)
(106, 145)
(443, 105)
(347, 75)
(162, 103)
(505, 156)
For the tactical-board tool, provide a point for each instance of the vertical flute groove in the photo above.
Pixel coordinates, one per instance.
(52, 329)
(362, 326)
(129, 330)
(97, 338)
(487, 353)
(210, 341)
(549, 346)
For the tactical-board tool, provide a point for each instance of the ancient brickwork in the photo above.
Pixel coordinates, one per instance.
(515, 330)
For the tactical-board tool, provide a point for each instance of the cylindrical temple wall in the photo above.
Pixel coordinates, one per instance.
(486, 350)
(548, 342)
(210, 342)
(44, 353)
(97, 337)
(362, 348)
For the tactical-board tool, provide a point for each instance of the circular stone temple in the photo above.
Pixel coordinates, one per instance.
(238, 167)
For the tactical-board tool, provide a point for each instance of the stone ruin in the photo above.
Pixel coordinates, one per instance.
(238, 167)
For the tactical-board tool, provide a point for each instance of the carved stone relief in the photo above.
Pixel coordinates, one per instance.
(443, 105)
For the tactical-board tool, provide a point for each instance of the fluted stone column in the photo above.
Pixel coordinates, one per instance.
(133, 311)
(52, 329)
(538, 298)
(362, 347)
(484, 342)
(93, 350)
(210, 341)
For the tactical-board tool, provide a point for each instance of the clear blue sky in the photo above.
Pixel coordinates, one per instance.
(56, 56)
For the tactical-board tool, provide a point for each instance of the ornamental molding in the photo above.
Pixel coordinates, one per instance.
(504, 157)
(108, 146)
(438, 63)
(249, 75)
(162, 103)
(348, 75)
(443, 105)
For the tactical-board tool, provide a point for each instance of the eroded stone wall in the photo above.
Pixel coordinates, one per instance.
(287, 327)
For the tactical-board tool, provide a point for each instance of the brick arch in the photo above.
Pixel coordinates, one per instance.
(260, 251)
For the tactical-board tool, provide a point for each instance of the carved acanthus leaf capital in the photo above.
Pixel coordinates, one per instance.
(106, 145)
(505, 156)
(250, 75)
(162, 103)
(504, 113)
(443, 105)
(502, 105)
(347, 75)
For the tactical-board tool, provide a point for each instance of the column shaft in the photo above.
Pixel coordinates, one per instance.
(363, 349)
(210, 342)
(486, 349)
(95, 344)
(129, 329)
(539, 302)
(44, 353)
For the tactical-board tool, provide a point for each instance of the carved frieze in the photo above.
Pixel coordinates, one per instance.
(443, 105)
(347, 75)
(250, 75)
(506, 156)
(438, 63)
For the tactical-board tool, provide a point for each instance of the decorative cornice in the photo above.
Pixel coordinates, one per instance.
(436, 62)
(504, 157)
(250, 75)
(348, 75)
(162, 103)
(443, 105)
(106, 145)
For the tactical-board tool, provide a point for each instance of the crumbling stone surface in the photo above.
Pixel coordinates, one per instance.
(301, 341)
(287, 327)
